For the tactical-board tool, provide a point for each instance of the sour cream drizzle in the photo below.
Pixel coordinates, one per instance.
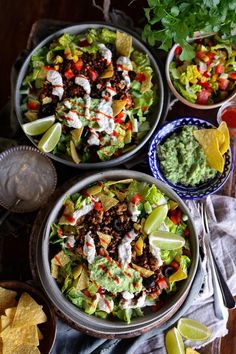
(124, 248)
(55, 79)
(89, 249)
(84, 82)
(124, 64)
(105, 52)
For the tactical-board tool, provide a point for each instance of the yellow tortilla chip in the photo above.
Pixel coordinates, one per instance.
(94, 189)
(74, 154)
(224, 146)
(191, 351)
(77, 271)
(147, 83)
(5, 322)
(118, 106)
(125, 181)
(123, 43)
(109, 72)
(67, 212)
(26, 349)
(7, 299)
(146, 273)
(28, 312)
(83, 281)
(40, 334)
(21, 335)
(107, 201)
(10, 312)
(76, 134)
(104, 239)
(207, 138)
(60, 259)
(54, 269)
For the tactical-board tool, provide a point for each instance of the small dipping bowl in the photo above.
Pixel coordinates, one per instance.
(227, 113)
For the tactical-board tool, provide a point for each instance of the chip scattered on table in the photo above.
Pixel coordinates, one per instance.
(19, 333)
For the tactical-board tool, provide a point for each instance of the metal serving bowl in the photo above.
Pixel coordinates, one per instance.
(154, 117)
(187, 192)
(91, 324)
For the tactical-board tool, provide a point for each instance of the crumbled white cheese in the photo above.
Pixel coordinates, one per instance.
(105, 304)
(134, 211)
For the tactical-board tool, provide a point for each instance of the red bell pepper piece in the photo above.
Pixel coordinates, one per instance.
(219, 69)
(98, 206)
(178, 50)
(137, 198)
(140, 77)
(119, 118)
(175, 216)
(93, 75)
(78, 65)
(174, 265)
(69, 74)
(33, 105)
(162, 283)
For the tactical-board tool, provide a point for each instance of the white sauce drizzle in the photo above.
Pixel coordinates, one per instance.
(55, 79)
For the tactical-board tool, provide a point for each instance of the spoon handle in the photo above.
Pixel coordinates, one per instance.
(8, 212)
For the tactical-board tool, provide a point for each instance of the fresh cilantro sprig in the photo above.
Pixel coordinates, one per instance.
(175, 21)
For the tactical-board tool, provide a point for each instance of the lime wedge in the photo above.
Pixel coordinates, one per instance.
(38, 126)
(155, 219)
(166, 240)
(50, 139)
(193, 330)
(174, 342)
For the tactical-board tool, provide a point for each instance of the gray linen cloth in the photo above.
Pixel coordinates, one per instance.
(199, 305)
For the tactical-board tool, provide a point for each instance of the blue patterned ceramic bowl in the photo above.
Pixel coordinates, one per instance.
(196, 192)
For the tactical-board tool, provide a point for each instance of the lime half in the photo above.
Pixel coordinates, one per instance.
(50, 139)
(166, 240)
(174, 342)
(193, 330)
(155, 219)
(38, 126)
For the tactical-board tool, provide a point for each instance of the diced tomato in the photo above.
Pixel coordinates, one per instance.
(78, 65)
(204, 84)
(178, 50)
(211, 55)
(203, 96)
(129, 126)
(119, 118)
(140, 77)
(59, 232)
(175, 216)
(162, 283)
(144, 108)
(186, 232)
(200, 54)
(69, 74)
(33, 105)
(219, 69)
(223, 83)
(174, 265)
(98, 206)
(232, 75)
(115, 133)
(46, 67)
(137, 198)
(93, 75)
(206, 74)
(83, 43)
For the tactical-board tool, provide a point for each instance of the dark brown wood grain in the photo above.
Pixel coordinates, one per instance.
(16, 19)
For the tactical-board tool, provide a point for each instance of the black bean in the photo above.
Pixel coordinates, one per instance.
(168, 271)
(150, 282)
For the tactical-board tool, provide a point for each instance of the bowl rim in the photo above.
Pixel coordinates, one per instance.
(36, 294)
(80, 28)
(106, 327)
(184, 192)
(169, 60)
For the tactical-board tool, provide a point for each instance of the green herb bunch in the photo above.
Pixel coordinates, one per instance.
(175, 21)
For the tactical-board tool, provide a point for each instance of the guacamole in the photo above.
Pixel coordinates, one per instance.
(182, 159)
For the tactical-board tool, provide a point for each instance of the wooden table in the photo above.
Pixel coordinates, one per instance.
(16, 19)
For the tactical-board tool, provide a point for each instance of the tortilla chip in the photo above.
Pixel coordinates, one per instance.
(77, 271)
(94, 189)
(21, 335)
(26, 349)
(146, 273)
(40, 334)
(83, 281)
(118, 106)
(224, 146)
(68, 211)
(107, 201)
(28, 312)
(76, 135)
(10, 312)
(60, 259)
(7, 299)
(74, 154)
(54, 269)
(5, 322)
(207, 138)
(147, 83)
(109, 72)
(125, 181)
(123, 43)
(104, 239)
